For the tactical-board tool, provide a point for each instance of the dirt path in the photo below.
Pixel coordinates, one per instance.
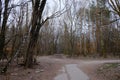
(86, 67)
(50, 67)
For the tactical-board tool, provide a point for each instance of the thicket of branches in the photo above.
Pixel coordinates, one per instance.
(75, 30)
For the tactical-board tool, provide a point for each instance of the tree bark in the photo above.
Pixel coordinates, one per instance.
(2, 34)
(38, 7)
(0, 11)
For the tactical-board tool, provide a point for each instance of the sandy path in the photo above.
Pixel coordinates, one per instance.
(50, 66)
(86, 67)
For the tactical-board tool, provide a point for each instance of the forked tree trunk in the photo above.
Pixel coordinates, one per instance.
(38, 7)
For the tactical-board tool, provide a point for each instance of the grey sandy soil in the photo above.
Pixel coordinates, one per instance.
(50, 66)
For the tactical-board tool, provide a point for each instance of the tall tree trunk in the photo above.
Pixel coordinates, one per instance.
(2, 34)
(0, 11)
(30, 51)
(38, 7)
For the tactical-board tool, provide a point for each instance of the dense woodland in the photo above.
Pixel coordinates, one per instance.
(31, 28)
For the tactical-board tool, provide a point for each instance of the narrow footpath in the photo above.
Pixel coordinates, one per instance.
(71, 72)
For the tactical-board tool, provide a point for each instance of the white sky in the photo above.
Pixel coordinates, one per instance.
(57, 5)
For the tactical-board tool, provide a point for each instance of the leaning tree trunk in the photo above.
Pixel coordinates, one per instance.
(29, 61)
(38, 7)
(4, 22)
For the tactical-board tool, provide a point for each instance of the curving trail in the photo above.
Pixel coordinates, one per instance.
(76, 69)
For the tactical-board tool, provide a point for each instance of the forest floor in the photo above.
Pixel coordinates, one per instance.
(50, 66)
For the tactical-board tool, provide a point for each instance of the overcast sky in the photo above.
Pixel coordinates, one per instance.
(56, 5)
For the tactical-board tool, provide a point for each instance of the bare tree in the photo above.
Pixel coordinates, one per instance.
(3, 27)
(38, 7)
(115, 5)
